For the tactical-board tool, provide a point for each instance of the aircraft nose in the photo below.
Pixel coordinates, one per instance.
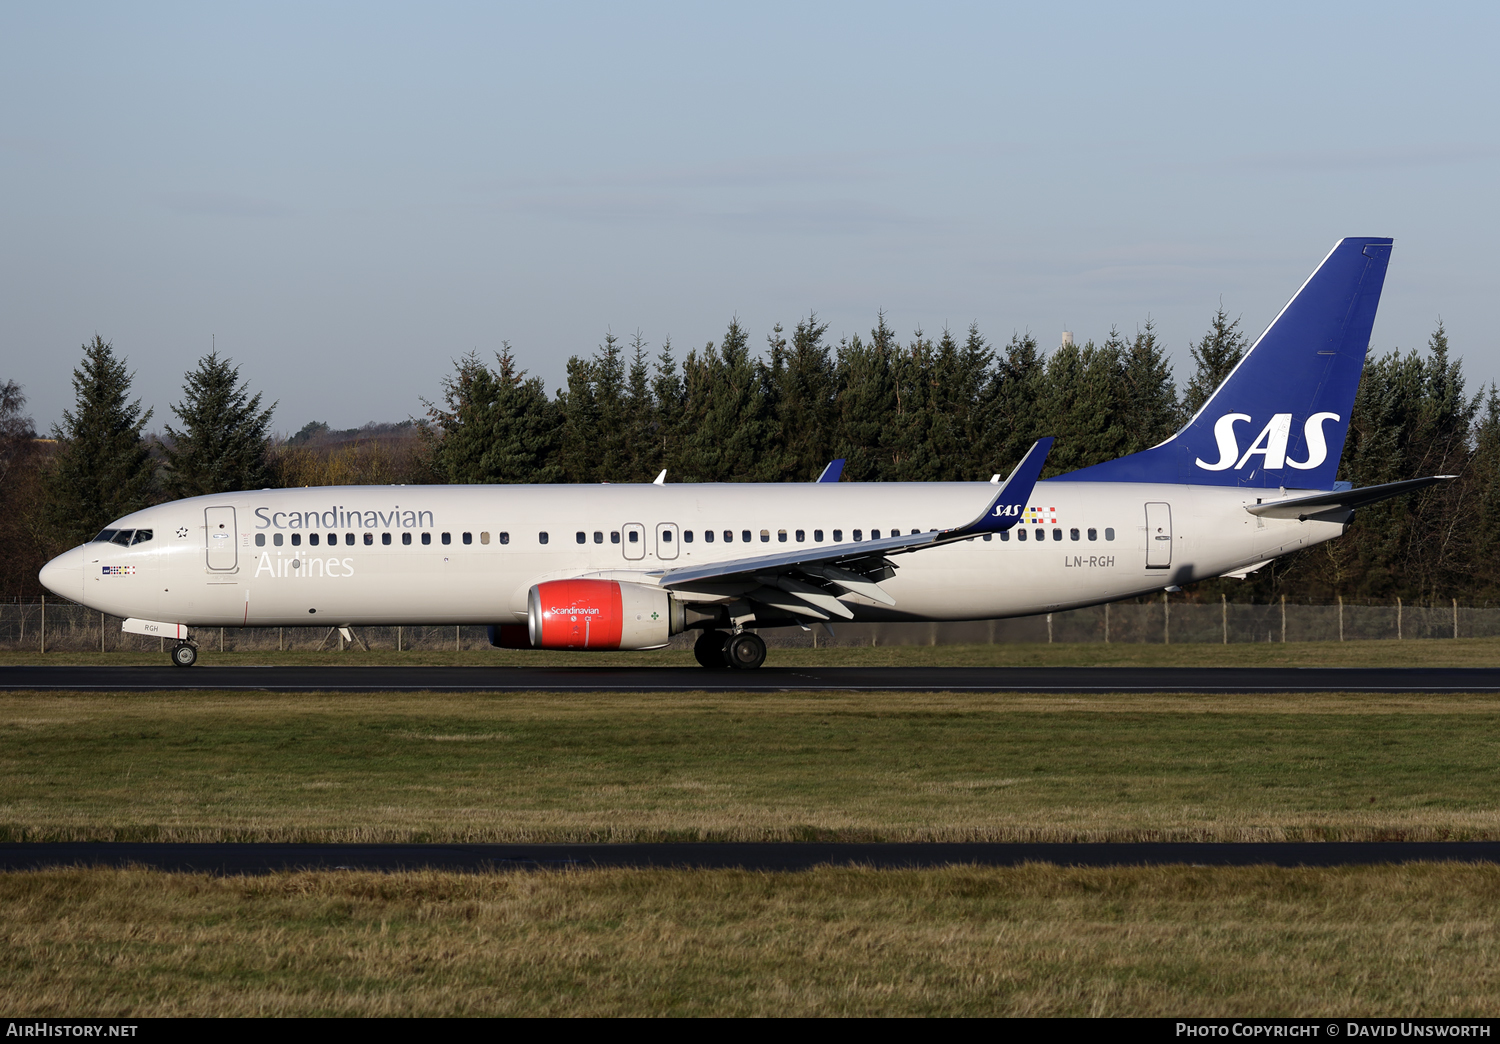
(64, 574)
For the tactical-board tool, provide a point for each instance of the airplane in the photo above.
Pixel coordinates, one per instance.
(1250, 477)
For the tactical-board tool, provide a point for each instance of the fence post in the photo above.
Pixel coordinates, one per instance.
(1283, 619)
(281, 639)
(1398, 619)
(398, 638)
(101, 632)
(1166, 620)
(455, 638)
(1049, 628)
(1106, 623)
(43, 630)
(1341, 617)
(1224, 615)
(1455, 617)
(221, 639)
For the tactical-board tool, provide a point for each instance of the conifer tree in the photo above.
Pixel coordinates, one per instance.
(725, 427)
(802, 373)
(493, 426)
(222, 445)
(1147, 403)
(867, 399)
(1215, 355)
(103, 468)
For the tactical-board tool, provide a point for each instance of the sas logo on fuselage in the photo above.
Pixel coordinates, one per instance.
(1270, 445)
(1007, 510)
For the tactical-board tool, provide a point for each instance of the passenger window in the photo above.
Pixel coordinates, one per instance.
(312, 539)
(468, 538)
(406, 538)
(818, 535)
(708, 536)
(1109, 534)
(745, 536)
(987, 537)
(581, 537)
(504, 538)
(859, 534)
(541, 538)
(385, 539)
(1093, 534)
(874, 534)
(484, 538)
(1057, 534)
(369, 539)
(634, 537)
(598, 536)
(426, 538)
(838, 536)
(1005, 536)
(1020, 533)
(801, 535)
(765, 536)
(1073, 534)
(729, 536)
(614, 536)
(349, 539)
(260, 540)
(895, 532)
(276, 539)
(666, 536)
(296, 539)
(143, 535)
(447, 538)
(687, 536)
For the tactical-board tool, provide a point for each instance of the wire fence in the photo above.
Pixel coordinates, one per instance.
(63, 626)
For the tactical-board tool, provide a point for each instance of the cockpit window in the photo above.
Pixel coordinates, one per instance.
(105, 536)
(122, 537)
(143, 535)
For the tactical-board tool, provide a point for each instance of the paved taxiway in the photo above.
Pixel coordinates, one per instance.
(687, 679)
(234, 858)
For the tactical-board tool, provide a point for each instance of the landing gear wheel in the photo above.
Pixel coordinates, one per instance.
(745, 651)
(708, 650)
(184, 654)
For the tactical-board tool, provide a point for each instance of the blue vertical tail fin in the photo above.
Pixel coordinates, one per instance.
(1280, 417)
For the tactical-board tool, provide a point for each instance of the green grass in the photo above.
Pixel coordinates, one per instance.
(1416, 940)
(771, 766)
(1461, 652)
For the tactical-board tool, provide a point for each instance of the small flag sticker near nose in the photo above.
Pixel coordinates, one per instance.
(119, 570)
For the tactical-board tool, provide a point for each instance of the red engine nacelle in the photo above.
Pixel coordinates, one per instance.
(600, 614)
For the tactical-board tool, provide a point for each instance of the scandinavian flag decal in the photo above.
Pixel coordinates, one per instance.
(1041, 515)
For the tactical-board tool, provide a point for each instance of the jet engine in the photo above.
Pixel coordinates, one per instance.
(601, 614)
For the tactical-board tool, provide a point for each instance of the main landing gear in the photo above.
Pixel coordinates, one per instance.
(184, 654)
(743, 651)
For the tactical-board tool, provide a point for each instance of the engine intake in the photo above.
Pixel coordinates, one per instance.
(601, 614)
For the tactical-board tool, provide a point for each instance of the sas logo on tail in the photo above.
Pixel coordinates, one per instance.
(1270, 444)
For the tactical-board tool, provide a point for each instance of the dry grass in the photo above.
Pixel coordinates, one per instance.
(1462, 652)
(775, 766)
(1414, 940)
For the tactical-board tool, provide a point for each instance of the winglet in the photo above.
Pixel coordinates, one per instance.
(661, 479)
(832, 472)
(1005, 510)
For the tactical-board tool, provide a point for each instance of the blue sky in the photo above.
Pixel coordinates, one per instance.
(348, 197)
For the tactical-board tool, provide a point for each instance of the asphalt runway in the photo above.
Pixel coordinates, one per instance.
(766, 679)
(231, 858)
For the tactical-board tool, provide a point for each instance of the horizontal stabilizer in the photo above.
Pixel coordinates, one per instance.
(1340, 502)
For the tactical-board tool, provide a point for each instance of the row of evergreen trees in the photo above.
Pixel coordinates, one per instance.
(922, 409)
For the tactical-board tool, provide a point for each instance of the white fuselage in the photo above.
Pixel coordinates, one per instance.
(355, 555)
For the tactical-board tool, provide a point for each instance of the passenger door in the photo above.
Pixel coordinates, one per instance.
(1158, 536)
(633, 540)
(666, 540)
(221, 538)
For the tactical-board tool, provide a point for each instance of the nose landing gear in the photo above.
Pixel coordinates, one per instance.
(184, 654)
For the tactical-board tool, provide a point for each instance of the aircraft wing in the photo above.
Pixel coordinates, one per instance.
(1339, 505)
(810, 580)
